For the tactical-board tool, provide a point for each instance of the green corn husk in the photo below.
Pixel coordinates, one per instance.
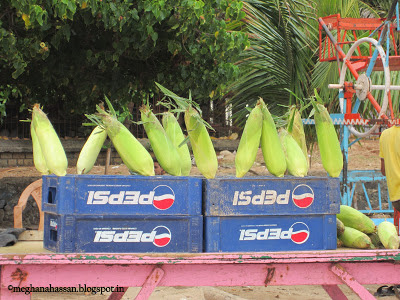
(353, 238)
(132, 152)
(353, 218)
(175, 134)
(273, 154)
(295, 159)
(50, 144)
(90, 150)
(388, 236)
(328, 142)
(164, 150)
(38, 158)
(375, 239)
(339, 227)
(202, 146)
(296, 129)
(249, 142)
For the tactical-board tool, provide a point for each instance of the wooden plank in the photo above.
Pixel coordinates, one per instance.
(150, 284)
(351, 282)
(196, 275)
(334, 292)
(331, 256)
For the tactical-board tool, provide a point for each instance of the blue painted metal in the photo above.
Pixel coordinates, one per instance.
(270, 233)
(345, 150)
(118, 234)
(377, 221)
(350, 179)
(361, 177)
(355, 141)
(122, 195)
(231, 196)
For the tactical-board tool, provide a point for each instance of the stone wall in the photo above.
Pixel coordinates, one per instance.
(11, 189)
(18, 153)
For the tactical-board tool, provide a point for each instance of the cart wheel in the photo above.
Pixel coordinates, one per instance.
(365, 82)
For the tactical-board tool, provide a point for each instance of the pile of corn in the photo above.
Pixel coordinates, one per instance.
(166, 138)
(284, 149)
(356, 230)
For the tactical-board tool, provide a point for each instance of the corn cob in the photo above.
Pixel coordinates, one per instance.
(38, 158)
(339, 227)
(271, 147)
(202, 146)
(295, 159)
(50, 144)
(354, 238)
(353, 218)
(164, 150)
(375, 239)
(296, 130)
(175, 134)
(249, 142)
(132, 152)
(388, 235)
(90, 151)
(328, 142)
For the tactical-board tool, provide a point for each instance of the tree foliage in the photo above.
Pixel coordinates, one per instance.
(280, 55)
(77, 51)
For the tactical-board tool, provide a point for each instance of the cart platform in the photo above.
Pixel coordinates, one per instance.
(328, 268)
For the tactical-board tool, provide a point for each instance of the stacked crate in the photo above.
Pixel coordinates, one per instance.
(114, 214)
(270, 214)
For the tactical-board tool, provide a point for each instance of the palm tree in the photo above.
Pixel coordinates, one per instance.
(280, 57)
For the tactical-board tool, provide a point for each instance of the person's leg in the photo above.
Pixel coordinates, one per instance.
(396, 205)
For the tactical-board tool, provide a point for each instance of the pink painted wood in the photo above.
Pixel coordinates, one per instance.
(117, 295)
(150, 284)
(205, 269)
(204, 258)
(334, 292)
(353, 284)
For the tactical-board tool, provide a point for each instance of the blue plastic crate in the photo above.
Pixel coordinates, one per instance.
(122, 234)
(262, 196)
(122, 195)
(269, 233)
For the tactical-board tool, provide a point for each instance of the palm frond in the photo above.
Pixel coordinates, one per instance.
(280, 53)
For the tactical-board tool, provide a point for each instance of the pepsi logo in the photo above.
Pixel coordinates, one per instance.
(162, 237)
(164, 197)
(53, 223)
(303, 196)
(300, 233)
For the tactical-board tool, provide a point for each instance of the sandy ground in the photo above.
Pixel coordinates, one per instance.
(311, 292)
(362, 156)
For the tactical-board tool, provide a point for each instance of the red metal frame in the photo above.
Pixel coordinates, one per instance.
(351, 26)
(396, 218)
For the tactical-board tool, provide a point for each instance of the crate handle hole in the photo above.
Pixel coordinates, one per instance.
(52, 195)
(53, 235)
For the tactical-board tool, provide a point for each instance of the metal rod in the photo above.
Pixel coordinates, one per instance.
(332, 38)
(359, 87)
